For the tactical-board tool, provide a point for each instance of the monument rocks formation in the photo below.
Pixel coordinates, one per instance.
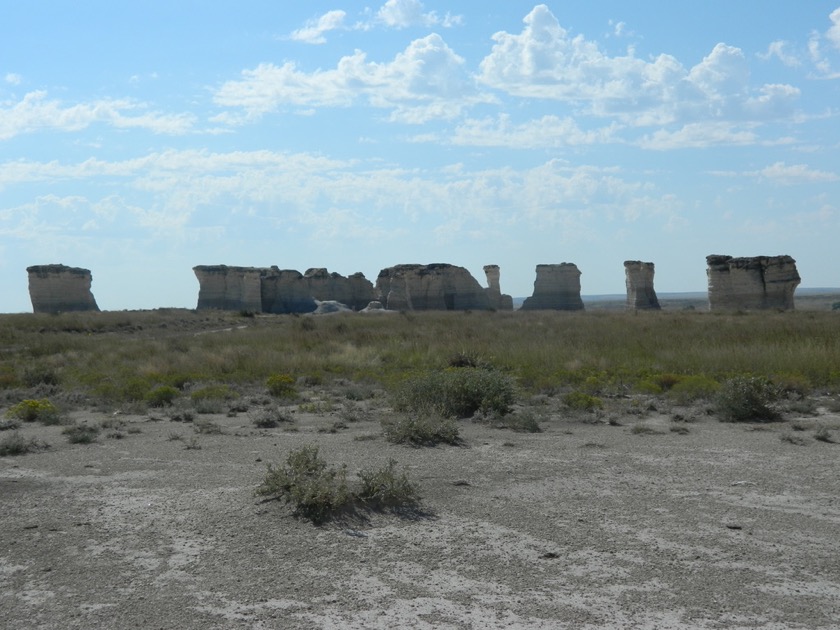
(441, 287)
(557, 287)
(760, 282)
(272, 290)
(58, 288)
(639, 280)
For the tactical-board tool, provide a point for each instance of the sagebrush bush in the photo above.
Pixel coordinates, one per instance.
(15, 444)
(81, 434)
(270, 417)
(316, 490)
(35, 410)
(747, 399)
(320, 492)
(386, 488)
(421, 430)
(520, 422)
(456, 392)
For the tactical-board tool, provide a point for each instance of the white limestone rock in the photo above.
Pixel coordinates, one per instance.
(58, 288)
(755, 283)
(639, 281)
(557, 287)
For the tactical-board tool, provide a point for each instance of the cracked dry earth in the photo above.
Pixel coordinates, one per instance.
(581, 526)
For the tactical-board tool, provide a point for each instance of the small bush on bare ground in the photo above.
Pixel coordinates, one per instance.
(747, 399)
(822, 434)
(81, 434)
(15, 444)
(421, 430)
(456, 392)
(29, 410)
(270, 417)
(521, 422)
(319, 492)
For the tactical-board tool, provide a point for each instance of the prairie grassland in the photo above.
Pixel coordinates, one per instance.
(124, 355)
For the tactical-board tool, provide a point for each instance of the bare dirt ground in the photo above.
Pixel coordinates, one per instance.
(581, 526)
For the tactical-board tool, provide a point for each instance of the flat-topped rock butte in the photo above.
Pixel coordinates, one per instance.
(760, 282)
(58, 288)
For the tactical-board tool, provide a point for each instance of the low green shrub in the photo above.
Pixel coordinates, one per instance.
(386, 488)
(35, 410)
(747, 399)
(316, 490)
(320, 492)
(692, 388)
(456, 392)
(580, 401)
(421, 430)
(281, 385)
(81, 434)
(162, 396)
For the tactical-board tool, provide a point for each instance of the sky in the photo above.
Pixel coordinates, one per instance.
(141, 139)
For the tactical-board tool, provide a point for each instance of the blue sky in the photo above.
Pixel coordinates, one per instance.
(141, 139)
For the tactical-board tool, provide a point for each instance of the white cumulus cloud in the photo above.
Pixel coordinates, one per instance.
(427, 80)
(545, 61)
(313, 31)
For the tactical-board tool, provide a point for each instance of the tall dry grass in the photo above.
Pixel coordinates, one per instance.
(123, 355)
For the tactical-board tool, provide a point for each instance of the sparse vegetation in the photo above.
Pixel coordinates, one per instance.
(580, 401)
(525, 421)
(270, 417)
(30, 410)
(281, 385)
(456, 392)
(81, 433)
(316, 490)
(319, 492)
(15, 444)
(387, 488)
(747, 399)
(421, 430)
(162, 396)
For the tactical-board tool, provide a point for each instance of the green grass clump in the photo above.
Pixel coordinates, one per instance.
(421, 430)
(81, 434)
(35, 410)
(281, 386)
(580, 401)
(316, 490)
(162, 396)
(456, 393)
(15, 444)
(747, 399)
(386, 488)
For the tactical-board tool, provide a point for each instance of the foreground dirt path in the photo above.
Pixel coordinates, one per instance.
(581, 526)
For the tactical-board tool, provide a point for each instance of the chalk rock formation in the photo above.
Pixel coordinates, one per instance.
(639, 280)
(355, 291)
(557, 287)
(229, 288)
(436, 287)
(274, 290)
(760, 282)
(498, 300)
(58, 288)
